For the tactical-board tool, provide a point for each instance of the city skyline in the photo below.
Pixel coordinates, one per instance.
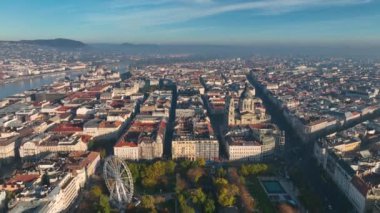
(193, 21)
(190, 106)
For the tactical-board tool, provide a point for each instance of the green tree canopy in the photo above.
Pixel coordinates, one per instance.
(221, 172)
(45, 180)
(194, 174)
(209, 206)
(104, 204)
(147, 202)
(184, 207)
(135, 170)
(254, 169)
(96, 191)
(198, 197)
(201, 162)
(226, 192)
(170, 167)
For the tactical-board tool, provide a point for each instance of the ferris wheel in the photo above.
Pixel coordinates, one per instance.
(118, 180)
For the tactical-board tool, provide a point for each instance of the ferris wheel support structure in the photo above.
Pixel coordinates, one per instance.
(119, 181)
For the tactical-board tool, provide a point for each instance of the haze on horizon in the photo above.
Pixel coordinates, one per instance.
(237, 22)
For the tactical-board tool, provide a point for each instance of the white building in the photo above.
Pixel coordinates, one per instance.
(143, 140)
(85, 110)
(253, 144)
(48, 143)
(126, 150)
(126, 91)
(102, 128)
(361, 194)
(65, 183)
(7, 146)
(3, 195)
(192, 149)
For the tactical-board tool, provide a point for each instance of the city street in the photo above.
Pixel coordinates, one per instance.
(300, 156)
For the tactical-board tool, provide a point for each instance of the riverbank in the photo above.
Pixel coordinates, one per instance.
(21, 86)
(26, 77)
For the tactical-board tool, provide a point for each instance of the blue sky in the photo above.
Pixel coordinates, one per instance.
(192, 21)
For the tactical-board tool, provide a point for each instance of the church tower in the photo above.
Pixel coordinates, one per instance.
(246, 101)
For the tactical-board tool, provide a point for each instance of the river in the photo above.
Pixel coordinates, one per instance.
(20, 86)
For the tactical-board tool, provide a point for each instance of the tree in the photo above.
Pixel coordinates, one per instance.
(198, 197)
(226, 199)
(221, 172)
(103, 153)
(181, 199)
(134, 168)
(183, 205)
(152, 175)
(242, 180)
(10, 195)
(96, 191)
(194, 174)
(90, 145)
(187, 209)
(254, 169)
(180, 184)
(244, 170)
(45, 180)
(220, 182)
(170, 167)
(185, 164)
(201, 162)
(149, 182)
(226, 192)
(209, 206)
(147, 202)
(104, 204)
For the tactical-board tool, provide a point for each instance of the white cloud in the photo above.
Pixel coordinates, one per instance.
(161, 12)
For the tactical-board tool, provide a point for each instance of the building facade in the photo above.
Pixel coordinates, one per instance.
(248, 110)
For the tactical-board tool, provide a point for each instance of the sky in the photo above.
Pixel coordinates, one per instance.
(192, 21)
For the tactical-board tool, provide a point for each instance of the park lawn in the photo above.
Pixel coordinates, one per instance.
(262, 201)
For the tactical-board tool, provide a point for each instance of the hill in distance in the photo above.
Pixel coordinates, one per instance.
(55, 43)
(140, 45)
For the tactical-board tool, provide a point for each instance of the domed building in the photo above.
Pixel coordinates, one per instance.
(248, 110)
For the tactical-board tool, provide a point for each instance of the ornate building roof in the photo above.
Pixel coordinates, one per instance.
(247, 93)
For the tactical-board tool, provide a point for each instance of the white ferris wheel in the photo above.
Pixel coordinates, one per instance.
(118, 180)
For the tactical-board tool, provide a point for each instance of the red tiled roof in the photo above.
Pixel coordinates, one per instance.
(63, 108)
(97, 88)
(82, 95)
(122, 143)
(23, 178)
(90, 158)
(86, 138)
(259, 125)
(64, 127)
(37, 104)
(110, 124)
